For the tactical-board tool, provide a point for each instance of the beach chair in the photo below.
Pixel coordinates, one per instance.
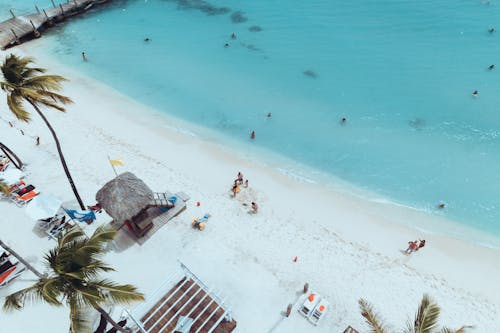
(4, 163)
(85, 216)
(319, 311)
(8, 270)
(309, 304)
(21, 200)
(349, 329)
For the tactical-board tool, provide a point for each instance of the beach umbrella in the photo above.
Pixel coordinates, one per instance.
(43, 206)
(124, 197)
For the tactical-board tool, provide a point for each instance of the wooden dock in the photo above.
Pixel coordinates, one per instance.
(19, 29)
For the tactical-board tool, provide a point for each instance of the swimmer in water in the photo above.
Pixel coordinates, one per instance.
(269, 115)
(252, 135)
(491, 30)
(343, 120)
(475, 93)
(147, 39)
(226, 45)
(233, 36)
(491, 67)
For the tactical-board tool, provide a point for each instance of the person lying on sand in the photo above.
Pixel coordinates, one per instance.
(255, 207)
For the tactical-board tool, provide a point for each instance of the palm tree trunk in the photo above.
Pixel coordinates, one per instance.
(11, 156)
(111, 321)
(22, 261)
(61, 156)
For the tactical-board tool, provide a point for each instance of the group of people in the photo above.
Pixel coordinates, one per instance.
(415, 245)
(236, 189)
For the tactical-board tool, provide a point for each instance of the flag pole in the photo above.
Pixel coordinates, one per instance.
(109, 159)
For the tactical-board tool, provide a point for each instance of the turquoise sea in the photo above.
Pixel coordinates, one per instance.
(401, 72)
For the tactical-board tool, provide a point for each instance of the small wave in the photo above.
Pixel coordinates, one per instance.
(295, 176)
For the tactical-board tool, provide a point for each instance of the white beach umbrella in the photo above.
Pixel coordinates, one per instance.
(11, 176)
(43, 206)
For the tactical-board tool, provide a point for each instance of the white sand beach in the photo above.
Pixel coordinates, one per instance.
(347, 248)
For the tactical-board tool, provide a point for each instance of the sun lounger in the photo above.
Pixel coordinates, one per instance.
(349, 329)
(21, 200)
(8, 270)
(319, 311)
(309, 303)
(4, 163)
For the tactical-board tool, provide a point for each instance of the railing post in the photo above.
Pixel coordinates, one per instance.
(46, 16)
(53, 4)
(62, 10)
(12, 13)
(37, 9)
(15, 36)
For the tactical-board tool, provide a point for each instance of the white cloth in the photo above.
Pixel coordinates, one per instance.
(43, 206)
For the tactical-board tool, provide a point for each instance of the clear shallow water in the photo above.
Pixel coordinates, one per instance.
(402, 73)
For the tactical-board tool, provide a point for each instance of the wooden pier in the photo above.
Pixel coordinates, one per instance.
(22, 28)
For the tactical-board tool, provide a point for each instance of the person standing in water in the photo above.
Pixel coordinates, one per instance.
(84, 57)
(252, 135)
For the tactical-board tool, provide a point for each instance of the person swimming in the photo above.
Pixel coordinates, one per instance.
(269, 115)
(343, 120)
(491, 67)
(491, 30)
(147, 39)
(475, 93)
(233, 36)
(226, 45)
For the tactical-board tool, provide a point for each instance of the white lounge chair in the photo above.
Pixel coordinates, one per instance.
(319, 311)
(309, 303)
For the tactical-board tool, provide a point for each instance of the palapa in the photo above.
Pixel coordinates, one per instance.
(124, 197)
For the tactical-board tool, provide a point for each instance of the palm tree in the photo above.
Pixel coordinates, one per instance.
(74, 279)
(24, 83)
(4, 188)
(426, 319)
(21, 259)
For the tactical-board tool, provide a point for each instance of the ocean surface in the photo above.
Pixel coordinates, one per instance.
(401, 72)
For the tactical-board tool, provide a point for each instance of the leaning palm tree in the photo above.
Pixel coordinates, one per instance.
(73, 279)
(11, 156)
(426, 319)
(24, 83)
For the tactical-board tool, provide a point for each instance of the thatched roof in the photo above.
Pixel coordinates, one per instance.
(124, 197)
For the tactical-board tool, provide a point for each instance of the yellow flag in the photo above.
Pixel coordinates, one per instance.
(116, 162)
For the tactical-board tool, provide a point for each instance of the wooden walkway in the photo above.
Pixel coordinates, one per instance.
(22, 28)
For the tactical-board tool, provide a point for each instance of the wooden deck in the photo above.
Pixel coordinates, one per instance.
(187, 298)
(22, 28)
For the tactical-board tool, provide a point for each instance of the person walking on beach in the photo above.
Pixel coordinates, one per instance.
(84, 57)
(37, 140)
(245, 185)
(239, 178)
(255, 207)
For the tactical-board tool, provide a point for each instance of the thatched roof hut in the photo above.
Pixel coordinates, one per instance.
(124, 197)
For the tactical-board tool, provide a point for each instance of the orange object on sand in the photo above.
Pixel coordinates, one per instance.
(321, 308)
(311, 297)
(6, 274)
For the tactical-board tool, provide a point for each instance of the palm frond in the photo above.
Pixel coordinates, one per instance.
(45, 82)
(4, 188)
(119, 294)
(33, 294)
(426, 318)
(462, 329)
(373, 319)
(15, 104)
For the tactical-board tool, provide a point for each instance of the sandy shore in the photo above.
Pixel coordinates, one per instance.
(347, 247)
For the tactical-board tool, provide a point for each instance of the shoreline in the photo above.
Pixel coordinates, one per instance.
(353, 230)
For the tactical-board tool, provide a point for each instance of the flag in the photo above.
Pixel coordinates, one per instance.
(116, 162)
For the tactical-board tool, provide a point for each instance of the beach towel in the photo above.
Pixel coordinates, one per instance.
(85, 216)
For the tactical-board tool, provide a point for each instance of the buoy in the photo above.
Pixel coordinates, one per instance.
(198, 203)
(295, 259)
